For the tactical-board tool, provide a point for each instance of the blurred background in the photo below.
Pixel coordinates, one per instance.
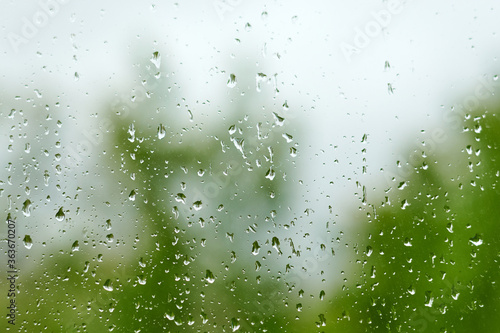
(251, 166)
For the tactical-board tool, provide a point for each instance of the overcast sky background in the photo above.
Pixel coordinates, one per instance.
(437, 51)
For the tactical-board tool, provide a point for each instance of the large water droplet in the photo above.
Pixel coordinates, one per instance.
(260, 77)
(132, 195)
(209, 277)
(270, 174)
(60, 214)
(197, 205)
(231, 83)
(156, 59)
(27, 207)
(390, 89)
(28, 243)
(476, 240)
(110, 238)
(180, 197)
(276, 244)
(141, 279)
(255, 248)
(234, 325)
(108, 285)
(322, 320)
(278, 120)
(429, 299)
(161, 132)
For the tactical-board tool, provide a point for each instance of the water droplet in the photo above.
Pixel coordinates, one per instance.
(28, 243)
(255, 248)
(180, 197)
(260, 77)
(404, 204)
(141, 279)
(369, 251)
(108, 224)
(407, 242)
(142, 263)
(322, 320)
(299, 307)
(156, 59)
(258, 266)
(476, 240)
(248, 27)
(161, 131)
(390, 89)
(232, 129)
(131, 131)
(60, 214)
(234, 325)
(46, 177)
(209, 277)
(231, 83)
(270, 174)
(169, 315)
(27, 207)
(454, 293)
(322, 295)
(276, 244)
(287, 137)
(108, 285)
(429, 299)
(293, 151)
(132, 195)
(197, 205)
(110, 238)
(279, 121)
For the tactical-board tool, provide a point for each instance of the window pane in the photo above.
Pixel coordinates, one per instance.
(228, 165)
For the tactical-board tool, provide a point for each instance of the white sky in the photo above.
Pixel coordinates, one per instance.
(436, 50)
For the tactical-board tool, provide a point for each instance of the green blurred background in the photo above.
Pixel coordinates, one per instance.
(181, 174)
